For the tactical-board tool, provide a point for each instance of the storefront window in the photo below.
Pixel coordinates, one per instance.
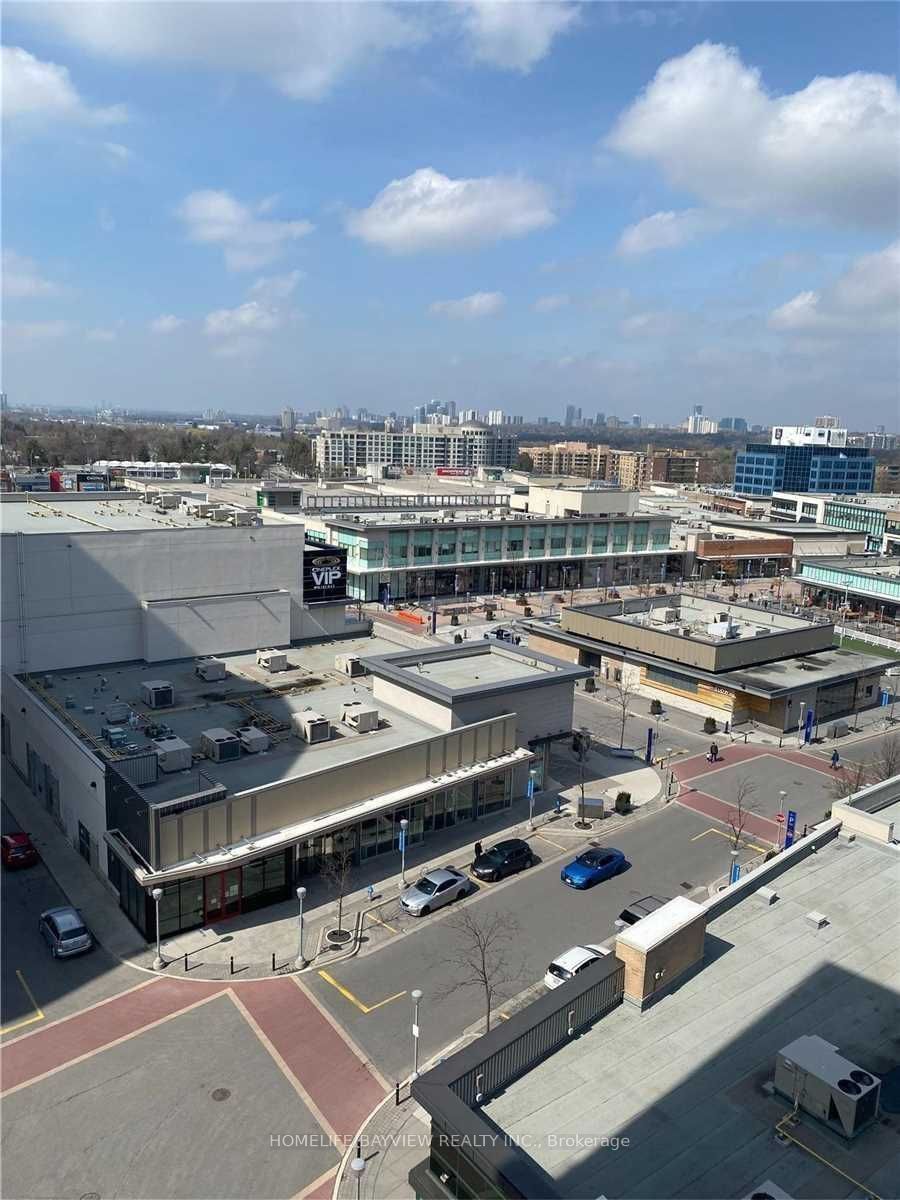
(493, 793)
(459, 800)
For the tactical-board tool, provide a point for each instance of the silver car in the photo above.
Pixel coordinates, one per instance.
(64, 931)
(434, 890)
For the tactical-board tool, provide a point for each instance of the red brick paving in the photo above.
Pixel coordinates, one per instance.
(337, 1079)
(60, 1044)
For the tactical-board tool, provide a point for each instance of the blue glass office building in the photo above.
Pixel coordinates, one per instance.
(761, 469)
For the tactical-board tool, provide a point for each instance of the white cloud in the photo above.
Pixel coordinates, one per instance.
(479, 304)
(167, 323)
(250, 317)
(864, 300)
(272, 288)
(22, 279)
(514, 35)
(44, 90)
(303, 50)
(651, 324)
(548, 304)
(827, 152)
(668, 230)
(25, 333)
(101, 335)
(248, 239)
(118, 152)
(429, 211)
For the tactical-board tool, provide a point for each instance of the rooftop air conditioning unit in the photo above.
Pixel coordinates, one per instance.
(813, 1075)
(768, 1191)
(311, 726)
(361, 717)
(116, 735)
(349, 664)
(219, 514)
(157, 693)
(172, 753)
(117, 713)
(210, 669)
(168, 500)
(252, 739)
(242, 518)
(272, 660)
(220, 745)
(668, 615)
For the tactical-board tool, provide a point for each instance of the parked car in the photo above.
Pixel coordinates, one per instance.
(434, 890)
(506, 858)
(638, 909)
(64, 931)
(504, 635)
(566, 966)
(593, 867)
(17, 850)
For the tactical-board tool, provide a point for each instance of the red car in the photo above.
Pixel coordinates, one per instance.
(16, 850)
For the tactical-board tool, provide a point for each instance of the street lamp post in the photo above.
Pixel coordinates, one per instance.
(358, 1166)
(800, 724)
(404, 825)
(158, 962)
(300, 962)
(532, 774)
(782, 797)
(417, 996)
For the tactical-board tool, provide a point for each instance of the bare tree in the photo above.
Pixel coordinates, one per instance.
(623, 692)
(335, 872)
(581, 744)
(887, 760)
(849, 780)
(744, 808)
(484, 956)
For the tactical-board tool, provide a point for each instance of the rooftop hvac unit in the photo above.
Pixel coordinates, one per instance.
(150, 496)
(252, 739)
(157, 693)
(668, 615)
(311, 726)
(349, 664)
(272, 660)
(219, 514)
(361, 717)
(116, 713)
(210, 669)
(813, 1075)
(241, 518)
(220, 745)
(168, 500)
(768, 1191)
(172, 753)
(116, 735)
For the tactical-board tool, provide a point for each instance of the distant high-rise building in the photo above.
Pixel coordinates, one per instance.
(636, 421)
(468, 414)
(543, 420)
(288, 420)
(697, 410)
(420, 414)
(573, 415)
(600, 419)
(495, 416)
(803, 459)
(733, 424)
(827, 422)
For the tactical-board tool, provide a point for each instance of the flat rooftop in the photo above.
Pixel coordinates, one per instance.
(680, 611)
(684, 1082)
(59, 512)
(827, 666)
(248, 695)
(880, 568)
(477, 668)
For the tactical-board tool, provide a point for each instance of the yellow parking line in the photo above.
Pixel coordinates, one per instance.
(378, 921)
(558, 845)
(348, 995)
(721, 833)
(38, 1011)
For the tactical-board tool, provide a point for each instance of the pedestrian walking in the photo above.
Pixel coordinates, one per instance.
(478, 850)
(713, 753)
(835, 761)
(370, 892)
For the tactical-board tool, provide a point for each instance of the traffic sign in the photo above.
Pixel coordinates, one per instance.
(779, 817)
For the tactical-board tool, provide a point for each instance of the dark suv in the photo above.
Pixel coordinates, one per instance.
(506, 858)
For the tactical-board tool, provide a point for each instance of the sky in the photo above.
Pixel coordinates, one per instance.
(630, 207)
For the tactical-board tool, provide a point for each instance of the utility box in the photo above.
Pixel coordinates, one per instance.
(117, 713)
(349, 664)
(167, 500)
(172, 753)
(116, 735)
(220, 745)
(211, 669)
(311, 726)
(272, 660)
(361, 717)
(253, 740)
(157, 693)
(241, 518)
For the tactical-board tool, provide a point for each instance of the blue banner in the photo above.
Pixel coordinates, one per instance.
(735, 872)
(810, 719)
(401, 844)
(649, 755)
(790, 828)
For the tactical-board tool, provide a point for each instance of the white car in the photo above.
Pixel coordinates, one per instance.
(567, 966)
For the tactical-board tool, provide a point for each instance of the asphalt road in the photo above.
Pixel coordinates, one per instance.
(35, 987)
(678, 730)
(671, 852)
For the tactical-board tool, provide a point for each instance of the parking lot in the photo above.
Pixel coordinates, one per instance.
(671, 852)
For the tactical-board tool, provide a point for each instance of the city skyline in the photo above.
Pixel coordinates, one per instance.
(457, 205)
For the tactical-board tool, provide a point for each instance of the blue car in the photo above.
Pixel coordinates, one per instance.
(593, 867)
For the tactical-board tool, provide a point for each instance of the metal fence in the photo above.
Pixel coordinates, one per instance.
(140, 769)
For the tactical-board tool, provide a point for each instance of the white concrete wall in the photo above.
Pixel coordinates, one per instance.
(72, 763)
(82, 592)
(870, 825)
(215, 625)
(387, 692)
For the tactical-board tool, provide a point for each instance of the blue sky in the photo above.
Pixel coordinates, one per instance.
(631, 207)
